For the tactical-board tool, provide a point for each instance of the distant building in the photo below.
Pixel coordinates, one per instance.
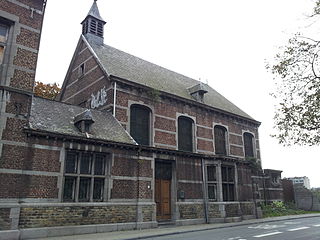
(305, 181)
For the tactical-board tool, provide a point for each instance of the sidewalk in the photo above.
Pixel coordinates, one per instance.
(164, 231)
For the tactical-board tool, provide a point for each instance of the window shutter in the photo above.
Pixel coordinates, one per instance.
(220, 140)
(248, 144)
(140, 124)
(185, 142)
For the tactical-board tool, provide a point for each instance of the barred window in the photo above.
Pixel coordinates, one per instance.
(228, 182)
(84, 177)
(248, 144)
(4, 31)
(140, 124)
(185, 134)
(220, 135)
(212, 182)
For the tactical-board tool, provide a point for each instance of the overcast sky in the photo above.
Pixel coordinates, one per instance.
(224, 43)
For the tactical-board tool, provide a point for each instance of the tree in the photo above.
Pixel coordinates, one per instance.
(297, 71)
(48, 90)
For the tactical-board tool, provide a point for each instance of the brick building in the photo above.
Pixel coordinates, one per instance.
(128, 144)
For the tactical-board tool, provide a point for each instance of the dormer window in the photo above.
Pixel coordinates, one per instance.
(198, 91)
(84, 121)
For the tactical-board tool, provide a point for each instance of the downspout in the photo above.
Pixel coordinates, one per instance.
(204, 190)
(114, 98)
(138, 220)
(254, 196)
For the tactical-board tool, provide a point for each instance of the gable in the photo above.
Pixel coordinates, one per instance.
(85, 78)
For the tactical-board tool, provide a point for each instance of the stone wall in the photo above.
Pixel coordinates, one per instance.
(191, 211)
(214, 211)
(232, 210)
(306, 199)
(5, 221)
(247, 208)
(82, 214)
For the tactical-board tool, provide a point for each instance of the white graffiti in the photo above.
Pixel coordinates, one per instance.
(99, 99)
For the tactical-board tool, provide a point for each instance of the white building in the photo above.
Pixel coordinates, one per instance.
(305, 181)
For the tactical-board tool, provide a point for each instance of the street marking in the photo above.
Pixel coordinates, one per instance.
(289, 223)
(266, 226)
(234, 238)
(297, 229)
(318, 225)
(267, 234)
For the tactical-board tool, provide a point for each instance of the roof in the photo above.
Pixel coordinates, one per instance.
(57, 117)
(123, 65)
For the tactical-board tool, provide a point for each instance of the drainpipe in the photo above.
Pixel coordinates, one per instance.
(204, 190)
(114, 98)
(138, 220)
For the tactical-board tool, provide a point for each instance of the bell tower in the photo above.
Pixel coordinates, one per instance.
(93, 24)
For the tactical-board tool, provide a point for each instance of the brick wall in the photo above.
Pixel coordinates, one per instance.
(28, 186)
(130, 167)
(20, 157)
(17, 76)
(191, 190)
(189, 169)
(131, 189)
(165, 123)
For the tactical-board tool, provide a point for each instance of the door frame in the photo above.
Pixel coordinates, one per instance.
(173, 190)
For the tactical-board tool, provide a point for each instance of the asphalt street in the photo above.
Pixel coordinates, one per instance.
(302, 229)
(294, 227)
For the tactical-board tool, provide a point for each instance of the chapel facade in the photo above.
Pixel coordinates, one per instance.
(126, 145)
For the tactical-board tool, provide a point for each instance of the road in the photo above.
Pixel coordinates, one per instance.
(298, 229)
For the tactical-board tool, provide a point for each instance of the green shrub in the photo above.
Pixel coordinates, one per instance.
(279, 208)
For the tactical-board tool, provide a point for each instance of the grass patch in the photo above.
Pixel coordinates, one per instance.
(276, 209)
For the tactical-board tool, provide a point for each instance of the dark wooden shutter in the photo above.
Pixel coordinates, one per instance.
(248, 144)
(140, 124)
(185, 142)
(220, 140)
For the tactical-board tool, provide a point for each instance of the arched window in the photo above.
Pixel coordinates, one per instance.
(140, 124)
(185, 134)
(220, 140)
(248, 145)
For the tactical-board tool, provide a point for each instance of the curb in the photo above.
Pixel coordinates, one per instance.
(227, 225)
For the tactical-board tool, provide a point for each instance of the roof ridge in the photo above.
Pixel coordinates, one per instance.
(172, 71)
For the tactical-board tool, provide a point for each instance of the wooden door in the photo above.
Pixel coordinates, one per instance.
(163, 176)
(163, 199)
